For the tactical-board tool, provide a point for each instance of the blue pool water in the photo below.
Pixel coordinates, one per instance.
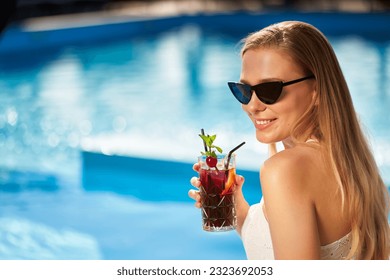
(99, 124)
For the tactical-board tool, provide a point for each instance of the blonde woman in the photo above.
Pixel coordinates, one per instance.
(323, 196)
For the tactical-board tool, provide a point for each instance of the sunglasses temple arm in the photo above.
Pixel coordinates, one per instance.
(298, 80)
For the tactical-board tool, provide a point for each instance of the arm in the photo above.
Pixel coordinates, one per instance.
(290, 208)
(242, 206)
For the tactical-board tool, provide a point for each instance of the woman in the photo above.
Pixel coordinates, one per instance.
(323, 197)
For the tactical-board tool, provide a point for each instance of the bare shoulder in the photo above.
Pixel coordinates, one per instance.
(291, 169)
(286, 180)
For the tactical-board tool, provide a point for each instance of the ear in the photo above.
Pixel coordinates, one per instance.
(315, 97)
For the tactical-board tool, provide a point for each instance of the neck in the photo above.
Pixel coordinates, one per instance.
(288, 143)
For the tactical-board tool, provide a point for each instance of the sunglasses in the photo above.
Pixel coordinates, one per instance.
(268, 92)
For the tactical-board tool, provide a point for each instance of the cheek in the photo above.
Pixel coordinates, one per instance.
(245, 109)
(288, 114)
(294, 106)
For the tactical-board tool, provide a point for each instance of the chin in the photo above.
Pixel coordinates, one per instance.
(264, 139)
(268, 138)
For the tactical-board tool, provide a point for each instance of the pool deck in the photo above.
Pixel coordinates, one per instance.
(136, 10)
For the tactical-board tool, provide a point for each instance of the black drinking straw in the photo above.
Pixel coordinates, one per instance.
(230, 154)
(204, 142)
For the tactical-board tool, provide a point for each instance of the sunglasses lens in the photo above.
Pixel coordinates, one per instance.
(241, 92)
(270, 92)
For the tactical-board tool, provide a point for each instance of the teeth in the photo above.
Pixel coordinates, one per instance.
(262, 122)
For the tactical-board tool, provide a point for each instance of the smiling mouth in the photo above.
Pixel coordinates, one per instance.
(264, 122)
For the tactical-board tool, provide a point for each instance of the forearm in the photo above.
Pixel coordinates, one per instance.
(242, 208)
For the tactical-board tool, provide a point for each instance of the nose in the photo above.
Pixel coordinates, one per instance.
(254, 106)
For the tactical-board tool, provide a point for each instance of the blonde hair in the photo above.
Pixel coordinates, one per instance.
(333, 121)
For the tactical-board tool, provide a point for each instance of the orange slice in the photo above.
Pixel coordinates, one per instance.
(230, 182)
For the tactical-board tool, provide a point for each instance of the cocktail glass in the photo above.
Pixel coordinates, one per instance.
(217, 193)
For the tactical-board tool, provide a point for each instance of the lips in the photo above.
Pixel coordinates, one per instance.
(263, 123)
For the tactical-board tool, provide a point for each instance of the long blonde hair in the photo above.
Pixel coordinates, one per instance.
(333, 121)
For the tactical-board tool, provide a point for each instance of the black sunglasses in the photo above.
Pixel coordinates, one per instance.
(268, 92)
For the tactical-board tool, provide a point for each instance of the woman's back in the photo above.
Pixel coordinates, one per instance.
(333, 223)
(299, 184)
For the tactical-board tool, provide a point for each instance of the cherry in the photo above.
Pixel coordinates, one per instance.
(211, 161)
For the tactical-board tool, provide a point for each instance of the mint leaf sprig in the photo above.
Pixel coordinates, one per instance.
(209, 145)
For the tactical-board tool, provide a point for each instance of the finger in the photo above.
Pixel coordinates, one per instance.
(195, 196)
(196, 167)
(195, 182)
(192, 194)
(198, 204)
(239, 181)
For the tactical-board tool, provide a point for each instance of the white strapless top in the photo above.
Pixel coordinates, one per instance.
(256, 237)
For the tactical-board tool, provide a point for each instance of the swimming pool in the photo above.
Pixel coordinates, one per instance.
(98, 129)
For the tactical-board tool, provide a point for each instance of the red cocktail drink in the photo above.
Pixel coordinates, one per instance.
(217, 194)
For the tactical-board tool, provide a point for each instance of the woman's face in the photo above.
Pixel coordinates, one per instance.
(273, 123)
